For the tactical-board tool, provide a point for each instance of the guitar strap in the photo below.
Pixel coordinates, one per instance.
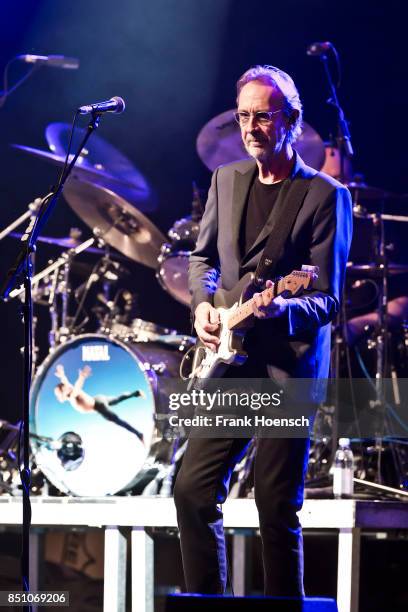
(290, 199)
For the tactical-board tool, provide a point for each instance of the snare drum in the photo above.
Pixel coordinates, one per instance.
(93, 404)
(172, 272)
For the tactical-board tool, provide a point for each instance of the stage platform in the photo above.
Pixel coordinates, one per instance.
(117, 514)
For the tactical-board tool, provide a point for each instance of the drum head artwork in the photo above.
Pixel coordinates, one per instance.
(92, 405)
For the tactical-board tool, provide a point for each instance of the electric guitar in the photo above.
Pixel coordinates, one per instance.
(236, 318)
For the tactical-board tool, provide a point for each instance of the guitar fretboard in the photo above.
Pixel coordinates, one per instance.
(246, 309)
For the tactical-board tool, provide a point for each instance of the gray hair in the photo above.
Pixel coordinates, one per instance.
(270, 75)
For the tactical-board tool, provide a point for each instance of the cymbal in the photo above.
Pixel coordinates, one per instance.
(219, 142)
(374, 270)
(101, 155)
(84, 170)
(362, 191)
(118, 222)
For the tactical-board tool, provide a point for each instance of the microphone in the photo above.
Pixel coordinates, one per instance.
(53, 61)
(114, 105)
(319, 48)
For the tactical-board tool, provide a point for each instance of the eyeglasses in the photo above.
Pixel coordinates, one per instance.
(261, 117)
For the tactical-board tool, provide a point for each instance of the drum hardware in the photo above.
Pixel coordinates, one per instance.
(52, 267)
(9, 465)
(172, 271)
(378, 339)
(377, 271)
(60, 288)
(66, 242)
(109, 311)
(9, 468)
(374, 270)
(51, 287)
(107, 273)
(332, 163)
(168, 480)
(35, 349)
(159, 474)
(345, 150)
(30, 212)
(219, 142)
(140, 331)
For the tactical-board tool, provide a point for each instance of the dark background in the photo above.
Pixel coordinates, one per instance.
(175, 62)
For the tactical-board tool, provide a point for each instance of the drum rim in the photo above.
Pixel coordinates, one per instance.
(151, 327)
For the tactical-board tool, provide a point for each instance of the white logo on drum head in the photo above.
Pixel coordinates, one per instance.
(95, 352)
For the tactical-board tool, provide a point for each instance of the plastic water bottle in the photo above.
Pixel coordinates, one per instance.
(343, 471)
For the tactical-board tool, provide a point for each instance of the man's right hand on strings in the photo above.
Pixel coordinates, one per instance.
(206, 324)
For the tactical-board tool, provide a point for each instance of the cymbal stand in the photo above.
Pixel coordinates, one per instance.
(383, 367)
(55, 265)
(29, 214)
(94, 277)
(64, 291)
(53, 333)
(381, 335)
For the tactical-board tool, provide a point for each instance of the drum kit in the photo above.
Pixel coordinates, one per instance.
(92, 382)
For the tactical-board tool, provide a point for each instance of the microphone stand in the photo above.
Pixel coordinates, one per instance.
(345, 151)
(23, 265)
(343, 132)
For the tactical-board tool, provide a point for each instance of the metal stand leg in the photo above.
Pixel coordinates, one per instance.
(348, 569)
(239, 563)
(35, 562)
(114, 586)
(142, 571)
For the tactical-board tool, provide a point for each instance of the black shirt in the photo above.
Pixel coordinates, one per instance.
(261, 200)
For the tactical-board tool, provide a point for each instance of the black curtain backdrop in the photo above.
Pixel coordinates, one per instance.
(175, 62)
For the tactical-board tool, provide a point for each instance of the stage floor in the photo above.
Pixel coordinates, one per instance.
(116, 515)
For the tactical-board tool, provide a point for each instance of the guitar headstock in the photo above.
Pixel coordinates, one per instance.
(299, 280)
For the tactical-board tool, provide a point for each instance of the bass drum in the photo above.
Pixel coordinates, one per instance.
(92, 412)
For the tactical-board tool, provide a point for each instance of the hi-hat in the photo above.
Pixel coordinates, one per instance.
(119, 223)
(219, 142)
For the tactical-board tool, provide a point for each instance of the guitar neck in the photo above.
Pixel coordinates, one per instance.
(245, 310)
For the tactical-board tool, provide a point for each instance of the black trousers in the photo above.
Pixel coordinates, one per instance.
(202, 485)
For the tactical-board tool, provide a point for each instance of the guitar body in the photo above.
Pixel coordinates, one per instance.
(230, 350)
(240, 293)
(236, 317)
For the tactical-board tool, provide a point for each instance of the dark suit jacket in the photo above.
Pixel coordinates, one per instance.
(298, 344)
